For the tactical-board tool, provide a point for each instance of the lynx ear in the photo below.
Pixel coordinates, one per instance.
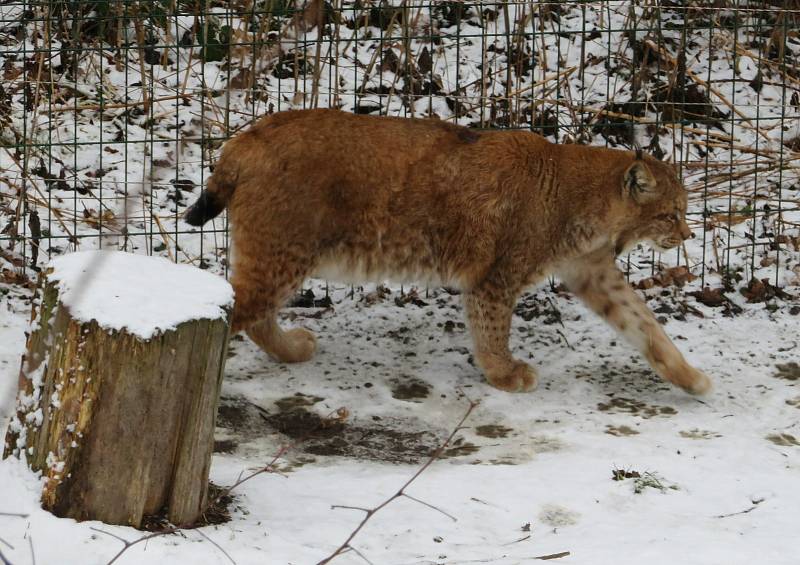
(638, 182)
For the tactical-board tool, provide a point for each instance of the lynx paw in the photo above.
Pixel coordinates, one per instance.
(697, 382)
(300, 345)
(521, 378)
(690, 379)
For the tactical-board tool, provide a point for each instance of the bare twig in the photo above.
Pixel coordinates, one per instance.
(129, 544)
(361, 555)
(3, 559)
(345, 546)
(553, 556)
(745, 511)
(33, 553)
(117, 105)
(525, 538)
(431, 506)
(225, 553)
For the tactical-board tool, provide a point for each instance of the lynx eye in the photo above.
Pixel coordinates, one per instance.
(667, 217)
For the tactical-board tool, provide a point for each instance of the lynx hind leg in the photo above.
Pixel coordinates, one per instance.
(292, 346)
(489, 314)
(602, 287)
(261, 287)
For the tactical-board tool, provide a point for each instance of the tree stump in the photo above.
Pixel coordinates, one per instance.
(119, 386)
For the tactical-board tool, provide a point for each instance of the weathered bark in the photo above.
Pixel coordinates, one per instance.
(121, 428)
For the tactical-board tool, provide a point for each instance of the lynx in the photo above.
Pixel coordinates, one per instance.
(323, 192)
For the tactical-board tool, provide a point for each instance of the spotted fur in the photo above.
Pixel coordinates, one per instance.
(310, 192)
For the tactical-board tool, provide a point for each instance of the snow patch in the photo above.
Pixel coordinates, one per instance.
(142, 295)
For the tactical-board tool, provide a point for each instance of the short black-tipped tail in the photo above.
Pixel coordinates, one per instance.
(207, 206)
(219, 190)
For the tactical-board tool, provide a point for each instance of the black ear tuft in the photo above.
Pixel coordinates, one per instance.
(638, 150)
(638, 182)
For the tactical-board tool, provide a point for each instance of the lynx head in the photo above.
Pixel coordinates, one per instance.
(655, 201)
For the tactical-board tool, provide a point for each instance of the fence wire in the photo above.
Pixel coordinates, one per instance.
(112, 112)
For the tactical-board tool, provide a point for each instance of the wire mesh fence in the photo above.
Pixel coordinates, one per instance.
(112, 113)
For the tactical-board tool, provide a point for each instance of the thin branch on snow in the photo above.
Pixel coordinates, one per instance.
(553, 556)
(517, 540)
(345, 507)
(369, 513)
(549, 557)
(129, 544)
(115, 536)
(745, 511)
(225, 553)
(361, 555)
(431, 506)
(3, 559)
(33, 553)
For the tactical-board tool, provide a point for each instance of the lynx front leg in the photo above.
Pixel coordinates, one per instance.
(603, 288)
(489, 314)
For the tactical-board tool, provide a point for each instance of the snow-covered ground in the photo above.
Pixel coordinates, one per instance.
(529, 475)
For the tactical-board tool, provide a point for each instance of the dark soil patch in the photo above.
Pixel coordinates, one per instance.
(217, 512)
(789, 371)
(411, 390)
(530, 307)
(233, 413)
(225, 446)
(306, 299)
(635, 407)
(784, 440)
(319, 436)
(698, 434)
(297, 401)
(493, 431)
(459, 448)
(621, 431)
(622, 474)
(300, 424)
(385, 439)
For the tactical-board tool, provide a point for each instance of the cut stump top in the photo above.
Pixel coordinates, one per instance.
(142, 295)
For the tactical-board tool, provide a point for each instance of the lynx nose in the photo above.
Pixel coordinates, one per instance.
(686, 233)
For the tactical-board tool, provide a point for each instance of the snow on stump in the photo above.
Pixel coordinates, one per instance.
(119, 387)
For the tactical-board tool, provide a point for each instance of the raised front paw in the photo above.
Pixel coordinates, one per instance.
(700, 383)
(521, 377)
(691, 380)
